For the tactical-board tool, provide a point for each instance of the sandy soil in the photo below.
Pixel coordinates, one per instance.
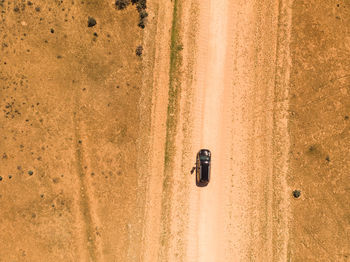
(319, 128)
(74, 123)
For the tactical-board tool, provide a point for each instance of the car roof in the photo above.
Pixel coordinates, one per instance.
(205, 172)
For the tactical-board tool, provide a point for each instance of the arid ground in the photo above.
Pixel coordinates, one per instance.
(104, 107)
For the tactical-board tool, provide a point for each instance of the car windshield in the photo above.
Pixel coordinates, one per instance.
(204, 158)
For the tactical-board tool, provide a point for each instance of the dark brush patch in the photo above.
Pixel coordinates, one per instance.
(141, 7)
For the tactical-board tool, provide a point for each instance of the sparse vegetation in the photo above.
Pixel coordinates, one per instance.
(122, 4)
(172, 114)
(141, 24)
(175, 61)
(141, 6)
(143, 14)
(139, 50)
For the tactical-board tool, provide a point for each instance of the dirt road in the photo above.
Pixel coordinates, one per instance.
(238, 89)
(233, 114)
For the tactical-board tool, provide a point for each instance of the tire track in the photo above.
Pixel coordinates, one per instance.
(152, 228)
(281, 146)
(182, 181)
(88, 243)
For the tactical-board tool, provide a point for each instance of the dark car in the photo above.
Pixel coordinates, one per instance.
(203, 167)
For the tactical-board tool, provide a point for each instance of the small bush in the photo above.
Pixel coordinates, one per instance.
(140, 6)
(143, 14)
(142, 24)
(142, 3)
(139, 50)
(122, 4)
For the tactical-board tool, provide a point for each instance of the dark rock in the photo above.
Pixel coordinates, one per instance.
(312, 148)
(30, 172)
(91, 22)
(296, 193)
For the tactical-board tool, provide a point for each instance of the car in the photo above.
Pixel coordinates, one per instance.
(203, 167)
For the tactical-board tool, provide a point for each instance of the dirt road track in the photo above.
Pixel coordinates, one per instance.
(234, 114)
(238, 111)
(160, 80)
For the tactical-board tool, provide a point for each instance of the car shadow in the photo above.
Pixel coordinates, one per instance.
(200, 184)
(193, 169)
